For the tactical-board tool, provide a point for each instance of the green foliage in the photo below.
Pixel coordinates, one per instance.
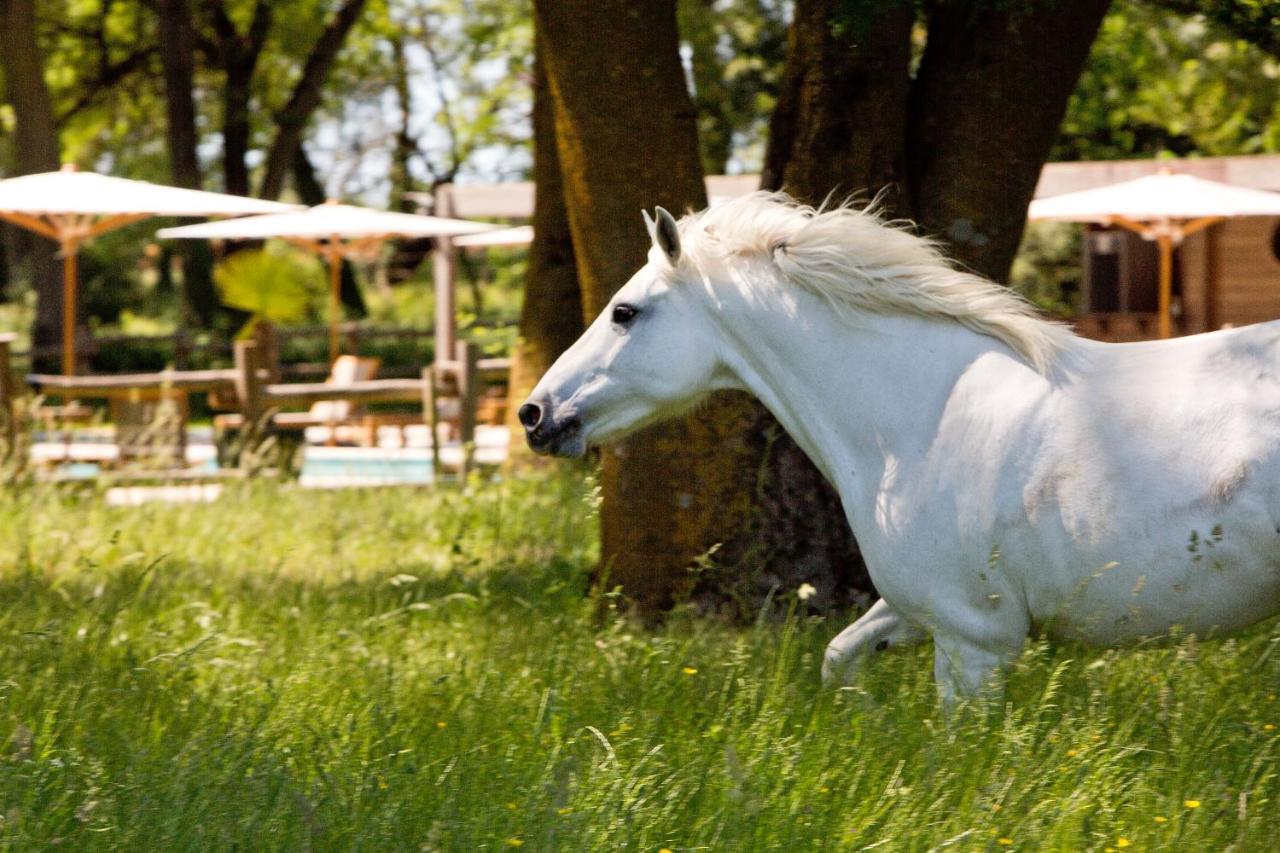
(1255, 21)
(276, 283)
(736, 50)
(468, 65)
(1158, 83)
(419, 669)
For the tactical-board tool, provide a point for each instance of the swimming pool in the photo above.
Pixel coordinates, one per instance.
(322, 467)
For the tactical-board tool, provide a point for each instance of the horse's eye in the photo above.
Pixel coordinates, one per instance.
(623, 313)
(882, 645)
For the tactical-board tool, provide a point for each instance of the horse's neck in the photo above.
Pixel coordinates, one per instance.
(853, 392)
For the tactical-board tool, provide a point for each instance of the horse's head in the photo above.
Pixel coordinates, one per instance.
(879, 629)
(649, 355)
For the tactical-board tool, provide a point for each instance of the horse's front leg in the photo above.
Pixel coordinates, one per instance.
(878, 629)
(971, 664)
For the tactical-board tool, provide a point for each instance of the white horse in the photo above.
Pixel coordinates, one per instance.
(1002, 475)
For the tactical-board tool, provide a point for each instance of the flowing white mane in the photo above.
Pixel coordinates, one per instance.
(855, 259)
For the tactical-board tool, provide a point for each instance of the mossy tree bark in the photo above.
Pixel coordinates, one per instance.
(838, 126)
(959, 147)
(551, 317)
(627, 140)
(984, 110)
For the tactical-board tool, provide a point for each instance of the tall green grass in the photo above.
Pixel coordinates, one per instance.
(401, 669)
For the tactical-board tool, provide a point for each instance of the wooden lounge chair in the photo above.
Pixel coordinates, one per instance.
(326, 414)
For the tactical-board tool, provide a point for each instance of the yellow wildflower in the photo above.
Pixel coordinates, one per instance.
(564, 810)
(1191, 804)
(1122, 842)
(440, 724)
(1072, 753)
(515, 842)
(689, 670)
(1004, 842)
(1268, 727)
(1161, 819)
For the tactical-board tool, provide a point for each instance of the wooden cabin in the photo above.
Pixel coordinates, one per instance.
(1227, 275)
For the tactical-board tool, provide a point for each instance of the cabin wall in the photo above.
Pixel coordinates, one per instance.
(1245, 272)
(1196, 257)
(1228, 274)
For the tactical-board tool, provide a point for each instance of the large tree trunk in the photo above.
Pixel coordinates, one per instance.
(306, 96)
(178, 62)
(839, 122)
(985, 107)
(627, 140)
(36, 150)
(551, 317)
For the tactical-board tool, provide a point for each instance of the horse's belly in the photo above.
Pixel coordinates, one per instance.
(1207, 586)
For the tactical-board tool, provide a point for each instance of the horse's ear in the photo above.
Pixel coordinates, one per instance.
(666, 236)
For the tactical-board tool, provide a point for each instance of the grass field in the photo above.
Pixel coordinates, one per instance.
(417, 670)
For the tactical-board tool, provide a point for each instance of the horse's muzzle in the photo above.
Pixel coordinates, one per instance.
(546, 435)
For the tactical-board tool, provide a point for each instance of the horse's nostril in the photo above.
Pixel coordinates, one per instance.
(530, 415)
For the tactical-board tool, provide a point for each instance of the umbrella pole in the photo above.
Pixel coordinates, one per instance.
(335, 298)
(1165, 244)
(69, 250)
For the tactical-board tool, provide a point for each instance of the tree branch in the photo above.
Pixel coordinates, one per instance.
(112, 74)
(306, 97)
(1256, 22)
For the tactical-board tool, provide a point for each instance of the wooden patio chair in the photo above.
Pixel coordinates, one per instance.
(326, 414)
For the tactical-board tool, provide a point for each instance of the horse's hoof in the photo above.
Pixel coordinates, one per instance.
(834, 672)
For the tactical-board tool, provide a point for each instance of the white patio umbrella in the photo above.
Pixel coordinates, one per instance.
(334, 230)
(520, 235)
(71, 207)
(1165, 208)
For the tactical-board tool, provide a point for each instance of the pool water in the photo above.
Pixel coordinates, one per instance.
(323, 470)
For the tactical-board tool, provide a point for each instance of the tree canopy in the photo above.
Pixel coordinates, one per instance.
(413, 93)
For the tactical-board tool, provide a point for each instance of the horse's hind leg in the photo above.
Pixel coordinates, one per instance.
(878, 629)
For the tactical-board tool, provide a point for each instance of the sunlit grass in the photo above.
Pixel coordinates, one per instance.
(408, 669)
